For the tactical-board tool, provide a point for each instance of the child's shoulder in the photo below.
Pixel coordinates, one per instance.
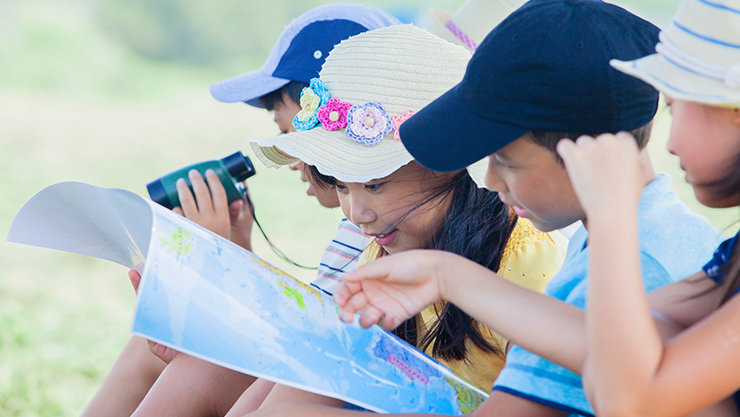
(532, 257)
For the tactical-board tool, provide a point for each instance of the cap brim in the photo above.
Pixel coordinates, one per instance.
(334, 154)
(247, 87)
(678, 82)
(446, 136)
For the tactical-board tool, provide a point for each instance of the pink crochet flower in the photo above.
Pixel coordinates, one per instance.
(333, 116)
(368, 123)
(398, 121)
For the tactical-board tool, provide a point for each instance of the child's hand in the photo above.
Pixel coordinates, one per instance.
(605, 172)
(241, 220)
(163, 352)
(391, 289)
(207, 204)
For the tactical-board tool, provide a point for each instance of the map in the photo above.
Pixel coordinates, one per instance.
(203, 295)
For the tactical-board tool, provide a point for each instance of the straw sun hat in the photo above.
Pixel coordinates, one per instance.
(471, 22)
(698, 55)
(369, 84)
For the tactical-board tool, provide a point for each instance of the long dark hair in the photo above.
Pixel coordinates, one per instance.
(477, 226)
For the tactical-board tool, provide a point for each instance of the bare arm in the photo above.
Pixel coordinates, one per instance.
(696, 368)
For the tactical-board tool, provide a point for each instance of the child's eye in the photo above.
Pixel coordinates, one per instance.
(338, 187)
(373, 187)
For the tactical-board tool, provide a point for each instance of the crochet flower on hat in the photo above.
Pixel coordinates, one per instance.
(398, 121)
(333, 116)
(368, 123)
(312, 98)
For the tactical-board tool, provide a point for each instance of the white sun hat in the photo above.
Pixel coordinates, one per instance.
(471, 22)
(698, 57)
(369, 84)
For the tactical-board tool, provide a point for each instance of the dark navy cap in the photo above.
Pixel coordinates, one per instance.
(301, 50)
(545, 67)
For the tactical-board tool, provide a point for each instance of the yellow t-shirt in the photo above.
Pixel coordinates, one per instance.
(530, 259)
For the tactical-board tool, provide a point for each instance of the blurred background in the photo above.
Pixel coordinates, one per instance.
(115, 93)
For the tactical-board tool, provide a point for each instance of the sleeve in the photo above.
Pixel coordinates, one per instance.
(716, 268)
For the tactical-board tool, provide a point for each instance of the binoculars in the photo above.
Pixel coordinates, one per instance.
(231, 170)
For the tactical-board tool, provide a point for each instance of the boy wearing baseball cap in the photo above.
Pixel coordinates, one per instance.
(541, 76)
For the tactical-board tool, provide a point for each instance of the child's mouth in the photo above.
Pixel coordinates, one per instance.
(385, 239)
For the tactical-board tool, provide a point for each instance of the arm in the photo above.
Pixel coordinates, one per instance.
(397, 287)
(648, 378)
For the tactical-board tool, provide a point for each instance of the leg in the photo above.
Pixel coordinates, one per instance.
(282, 394)
(128, 381)
(193, 387)
(251, 399)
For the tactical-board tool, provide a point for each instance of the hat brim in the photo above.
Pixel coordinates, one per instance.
(334, 154)
(248, 87)
(678, 82)
(447, 136)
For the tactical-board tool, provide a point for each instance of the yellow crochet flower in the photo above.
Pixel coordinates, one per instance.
(310, 103)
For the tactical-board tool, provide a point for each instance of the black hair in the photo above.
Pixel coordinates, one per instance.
(477, 226)
(550, 139)
(293, 89)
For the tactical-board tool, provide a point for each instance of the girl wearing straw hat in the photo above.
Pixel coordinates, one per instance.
(697, 67)
(347, 135)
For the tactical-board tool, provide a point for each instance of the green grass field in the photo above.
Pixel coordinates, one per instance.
(98, 115)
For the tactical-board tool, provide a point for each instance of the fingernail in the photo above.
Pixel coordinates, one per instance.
(181, 181)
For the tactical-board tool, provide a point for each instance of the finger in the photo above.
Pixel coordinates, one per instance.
(178, 210)
(389, 322)
(235, 209)
(345, 290)
(369, 316)
(218, 193)
(565, 149)
(187, 201)
(378, 269)
(202, 194)
(355, 303)
(135, 279)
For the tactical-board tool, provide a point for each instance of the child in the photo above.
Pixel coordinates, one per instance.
(540, 76)
(345, 134)
(698, 68)
(276, 87)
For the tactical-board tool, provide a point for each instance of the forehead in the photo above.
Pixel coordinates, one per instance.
(524, 149)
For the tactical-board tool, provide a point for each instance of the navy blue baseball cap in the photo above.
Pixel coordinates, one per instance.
(301, 50)
(545, 67)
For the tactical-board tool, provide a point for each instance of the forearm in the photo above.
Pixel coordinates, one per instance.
(618, 313)
(543, 325)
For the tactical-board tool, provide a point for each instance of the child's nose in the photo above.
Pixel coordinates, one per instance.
(493, 180)
(361, 213)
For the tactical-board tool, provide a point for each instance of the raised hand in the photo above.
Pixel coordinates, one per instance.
(605, 172)
(391, 289)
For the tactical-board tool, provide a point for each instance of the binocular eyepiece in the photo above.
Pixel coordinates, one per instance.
(231, 170)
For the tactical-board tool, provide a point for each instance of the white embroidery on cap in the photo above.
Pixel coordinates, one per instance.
(317, 54)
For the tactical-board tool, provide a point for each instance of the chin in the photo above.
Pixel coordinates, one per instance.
(715, 201)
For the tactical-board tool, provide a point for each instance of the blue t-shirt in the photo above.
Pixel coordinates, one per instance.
(674, 243)
(716, 269)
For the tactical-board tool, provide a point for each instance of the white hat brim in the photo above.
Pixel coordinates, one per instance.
(678, 82)
(334, 154)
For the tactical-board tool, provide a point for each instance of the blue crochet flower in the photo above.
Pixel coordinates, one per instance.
(312, 98)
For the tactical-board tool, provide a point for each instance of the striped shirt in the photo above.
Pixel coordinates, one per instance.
(340, 256)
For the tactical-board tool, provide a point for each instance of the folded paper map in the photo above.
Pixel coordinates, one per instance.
(210, 298)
